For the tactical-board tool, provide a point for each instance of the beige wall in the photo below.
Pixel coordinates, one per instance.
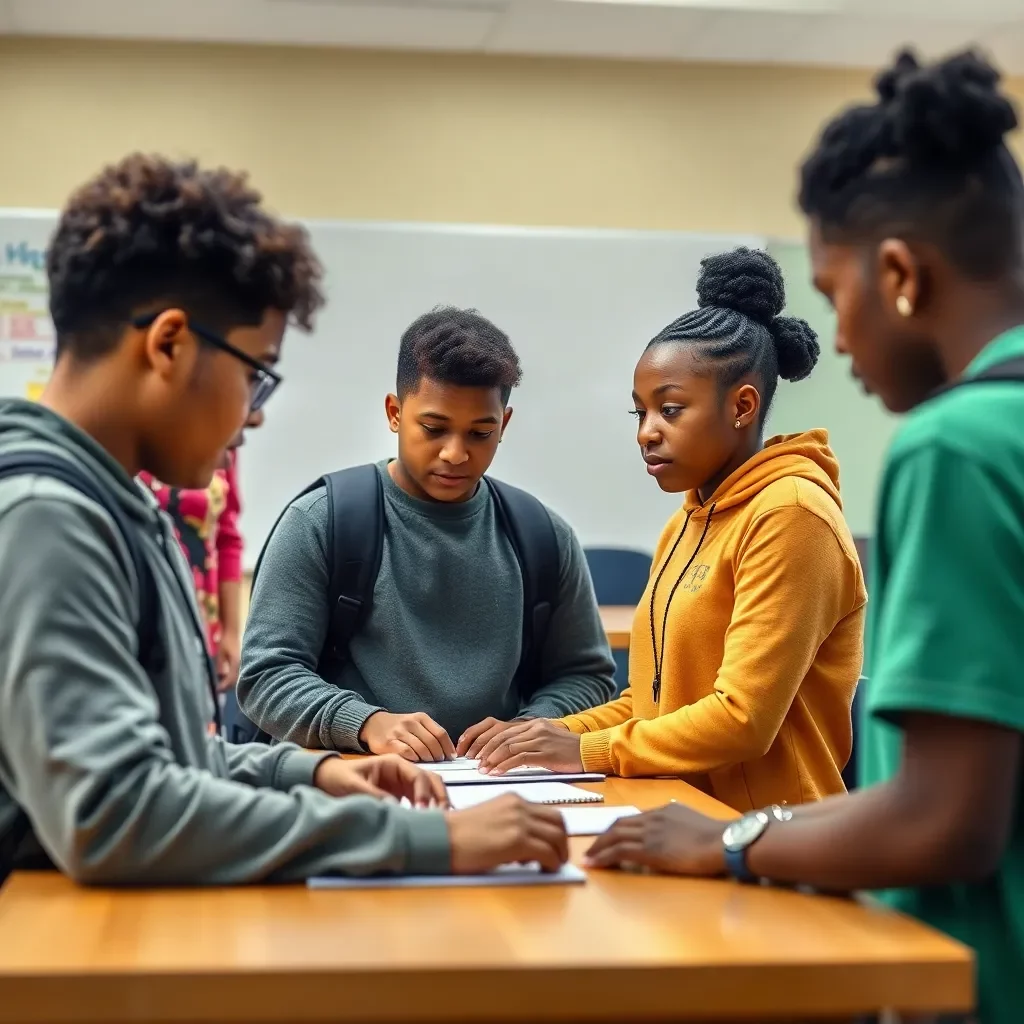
(426, 137)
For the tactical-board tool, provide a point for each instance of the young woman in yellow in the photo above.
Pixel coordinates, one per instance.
(747, 645)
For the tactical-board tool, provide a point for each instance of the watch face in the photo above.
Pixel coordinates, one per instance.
(740, 834)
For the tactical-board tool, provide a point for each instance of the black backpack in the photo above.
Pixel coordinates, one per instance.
(39, 463)
(355, 510)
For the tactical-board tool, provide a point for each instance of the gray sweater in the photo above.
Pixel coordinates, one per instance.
(443, 635)
(115, 769)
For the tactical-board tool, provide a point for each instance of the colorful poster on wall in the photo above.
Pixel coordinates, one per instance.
(26, 331)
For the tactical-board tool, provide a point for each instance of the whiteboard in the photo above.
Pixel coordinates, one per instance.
(579, 306)
(26, 333)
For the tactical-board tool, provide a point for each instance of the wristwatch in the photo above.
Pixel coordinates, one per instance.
(741, 834)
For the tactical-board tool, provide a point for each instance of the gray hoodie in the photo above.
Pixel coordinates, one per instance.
(115, 769)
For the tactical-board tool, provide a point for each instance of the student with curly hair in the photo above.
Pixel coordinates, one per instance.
(170, 290)
(435, 660)
(746, 647)
(916, 209)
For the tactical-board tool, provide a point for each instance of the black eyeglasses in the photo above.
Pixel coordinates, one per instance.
(264, 384)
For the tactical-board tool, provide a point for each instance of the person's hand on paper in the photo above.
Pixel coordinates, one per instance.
(673, 839)
(539, 743)
(476, 737)
(506, 830)
(416, 737)
(388, 777)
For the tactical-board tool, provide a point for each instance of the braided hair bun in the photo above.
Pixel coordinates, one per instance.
(749, 282)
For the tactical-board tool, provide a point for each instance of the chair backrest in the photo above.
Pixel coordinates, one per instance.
(850, 771)
(619, 574)
(620, 577)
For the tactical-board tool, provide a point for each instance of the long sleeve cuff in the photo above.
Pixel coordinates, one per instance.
(348, 721)
(596, 752)
(429, 844)
(296, 767)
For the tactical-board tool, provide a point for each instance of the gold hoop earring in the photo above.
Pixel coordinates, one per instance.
(904, 306)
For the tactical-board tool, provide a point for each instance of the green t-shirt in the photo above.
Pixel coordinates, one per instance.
(945, 630)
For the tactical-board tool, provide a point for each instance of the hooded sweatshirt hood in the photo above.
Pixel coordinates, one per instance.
(28, 425)
(804, 456)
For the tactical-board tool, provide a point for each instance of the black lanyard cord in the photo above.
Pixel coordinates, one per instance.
(660, 663)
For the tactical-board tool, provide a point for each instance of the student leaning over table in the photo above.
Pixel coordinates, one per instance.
(747, 644)
(170, 289)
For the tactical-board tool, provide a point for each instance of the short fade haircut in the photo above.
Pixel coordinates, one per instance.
(457, 346)
(149, 231)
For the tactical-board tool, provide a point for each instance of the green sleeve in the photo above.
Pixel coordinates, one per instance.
(947, 634)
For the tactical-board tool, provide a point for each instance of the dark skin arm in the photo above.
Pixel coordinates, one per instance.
(944, 817)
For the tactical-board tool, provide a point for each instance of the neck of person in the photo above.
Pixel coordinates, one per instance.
(745, 451)
(989, 311)
(84, 396)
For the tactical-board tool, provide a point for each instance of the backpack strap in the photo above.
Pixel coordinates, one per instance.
(355, 511)
(1010, 370)
(355, 529)
(46, 464)
(529, 529)
(40, 463)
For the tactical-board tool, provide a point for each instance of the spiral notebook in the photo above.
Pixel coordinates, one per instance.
(462, 797)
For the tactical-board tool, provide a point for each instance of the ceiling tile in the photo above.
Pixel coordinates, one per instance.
(313, 22)
(606, 30)
(871, 42)
(743, 36)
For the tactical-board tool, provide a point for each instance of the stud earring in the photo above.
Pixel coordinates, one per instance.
(738, 424)
(903, 305)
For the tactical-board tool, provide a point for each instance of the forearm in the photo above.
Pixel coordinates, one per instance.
(281, 766)
(163, 824)
(230, 600)
(613, 713)
(567, 696)
(292, 703)
(693, 740)
(833, 845)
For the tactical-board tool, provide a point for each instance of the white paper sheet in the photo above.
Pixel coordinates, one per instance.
(594, 821)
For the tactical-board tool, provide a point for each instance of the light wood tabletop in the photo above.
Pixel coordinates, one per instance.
(620, 948)
(617, 620)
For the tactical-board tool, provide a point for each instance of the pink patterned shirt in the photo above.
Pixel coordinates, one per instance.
(206, 523)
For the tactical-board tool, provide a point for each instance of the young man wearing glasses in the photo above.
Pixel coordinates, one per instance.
(170, 290)
(206, 524)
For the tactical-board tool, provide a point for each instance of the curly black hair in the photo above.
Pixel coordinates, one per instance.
(149, 230)
(737, 326)
(927, 160)
(457, 346)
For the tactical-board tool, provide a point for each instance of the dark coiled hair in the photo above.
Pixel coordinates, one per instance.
(927, 161)
(149, 230)
(457, 346)
(737, 327)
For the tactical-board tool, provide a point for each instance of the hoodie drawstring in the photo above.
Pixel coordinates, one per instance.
(659, 664)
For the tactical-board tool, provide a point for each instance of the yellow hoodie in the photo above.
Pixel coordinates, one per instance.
(763, 640)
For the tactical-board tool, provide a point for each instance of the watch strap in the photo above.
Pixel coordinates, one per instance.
(736, 865)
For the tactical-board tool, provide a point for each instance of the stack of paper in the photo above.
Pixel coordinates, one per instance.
(462, 797)
(464, 771)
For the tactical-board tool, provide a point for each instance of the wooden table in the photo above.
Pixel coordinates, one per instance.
(618, 622)
(621, 948)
